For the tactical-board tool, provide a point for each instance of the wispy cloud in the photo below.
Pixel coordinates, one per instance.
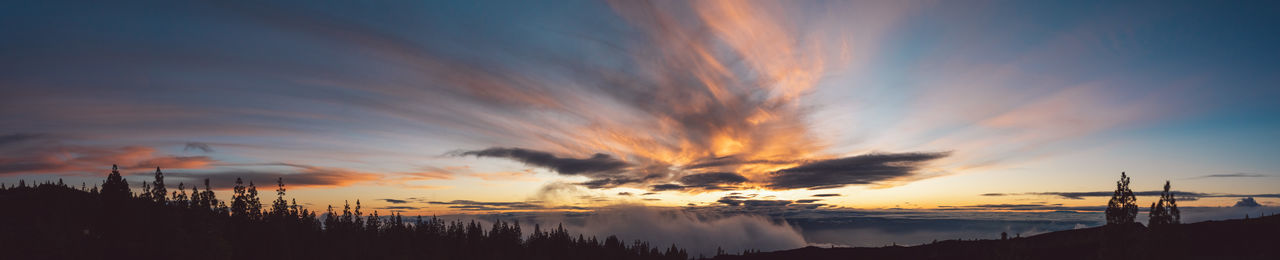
(203, 147)
(1180, 194)
(1233, 175)
(294, 176)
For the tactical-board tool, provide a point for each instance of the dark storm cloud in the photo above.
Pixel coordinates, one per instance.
(861, 169)
(827, 195)
(203, 147)
(595, 165)
(396, 201)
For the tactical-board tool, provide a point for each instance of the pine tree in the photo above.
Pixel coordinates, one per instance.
(252, 203)
(359, 220)
(180, 196)
(1165, 211)
(207, 198)
(346, 213)
(239, 205)
(158, 192)
(145, 194)
(1122, 209)
(294, 209)
(197, 198)
(280, 207)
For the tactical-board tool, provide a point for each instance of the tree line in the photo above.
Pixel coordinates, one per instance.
(57, 221)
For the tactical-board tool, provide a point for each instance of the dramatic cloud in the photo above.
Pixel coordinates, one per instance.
(827, 195)
(396, 201)
(862, 169)
(1247, 202)
(203, 147)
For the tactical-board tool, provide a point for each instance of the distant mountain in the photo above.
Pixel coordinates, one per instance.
(1255, 238)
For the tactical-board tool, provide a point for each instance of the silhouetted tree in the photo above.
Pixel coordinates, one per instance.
(146, 191)
(115, 186)
(239, 201)
(180, 196)
(196, 198)
(135, 228)
(1123, 207)
(254, 205)
(1165, 211)
(280, 207)
(207, 198)
(158, 192)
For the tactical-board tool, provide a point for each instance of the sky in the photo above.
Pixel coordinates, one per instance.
(487, 107)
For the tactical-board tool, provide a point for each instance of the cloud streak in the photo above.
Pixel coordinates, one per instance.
(862, 169)
(295, 176)
(1181, 194)
(597, 165)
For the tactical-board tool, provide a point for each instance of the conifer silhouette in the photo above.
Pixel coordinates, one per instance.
(280, 207)
(1165, 211)
(1123, 207)
(239, 201)
(158, 192)
(115, 186)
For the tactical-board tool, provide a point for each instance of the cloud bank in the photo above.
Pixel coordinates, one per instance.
(698, 233)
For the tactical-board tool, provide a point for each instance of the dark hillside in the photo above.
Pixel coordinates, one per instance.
(1257, 238)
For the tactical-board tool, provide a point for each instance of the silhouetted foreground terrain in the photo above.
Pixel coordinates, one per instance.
(54, 221)
(1257, 238)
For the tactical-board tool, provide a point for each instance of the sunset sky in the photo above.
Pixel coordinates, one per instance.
(426, 107)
